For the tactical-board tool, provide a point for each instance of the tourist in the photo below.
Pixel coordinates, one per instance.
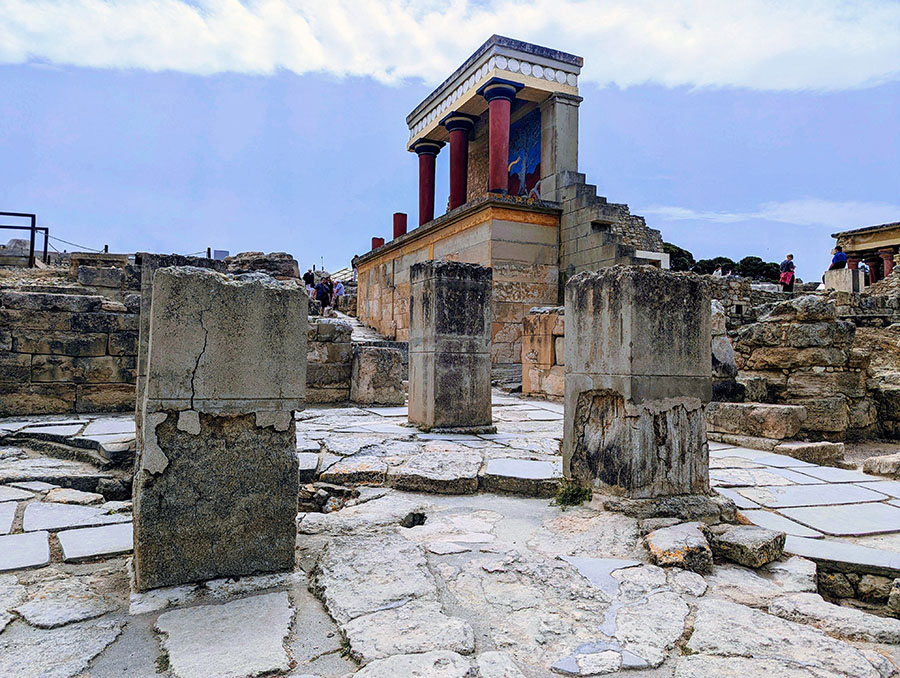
(322, 294)
(338, 292)
(839, 260)
(718, 272)
(309, 279)
(787, 274)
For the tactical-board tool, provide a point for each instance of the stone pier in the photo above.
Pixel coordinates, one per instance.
(450, 345)
(215, 489)
(638, 372)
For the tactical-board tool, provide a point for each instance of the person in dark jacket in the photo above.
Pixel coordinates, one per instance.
(787, 274)
(839, 260)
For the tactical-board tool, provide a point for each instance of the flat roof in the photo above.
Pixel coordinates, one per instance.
(868, 229)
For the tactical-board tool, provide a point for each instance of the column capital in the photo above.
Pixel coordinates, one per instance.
(563, 98)
(498, 88)
(427, 147)
(454, 121)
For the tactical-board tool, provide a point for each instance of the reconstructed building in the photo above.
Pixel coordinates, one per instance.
(877, 246)
(517, 202)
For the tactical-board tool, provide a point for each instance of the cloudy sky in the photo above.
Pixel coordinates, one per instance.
(737, 128)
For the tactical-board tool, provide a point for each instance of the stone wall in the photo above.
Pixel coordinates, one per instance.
(329, 361)
(543, 352)
(66, 353)
(740, 300)
(800, 353)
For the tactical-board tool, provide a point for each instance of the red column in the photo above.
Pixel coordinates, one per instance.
(853, 261)
(872, 262)
(399, 224)
(887, 256)
(427, 151)
(459, 125)
(499, 94)
(377, 242)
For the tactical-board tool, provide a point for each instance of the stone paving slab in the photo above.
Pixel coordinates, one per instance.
(40, 516)
(846, 556)
(7, 516)
(522, 476)
(108, 425)
(240, 638)
(20, 551)
(848, 519)
(715, 447)
(810, 495)
(781, 461)
(888, 487)
(739, 500)
(96, 542)
(389, 411)
(8, 493)
(756, 477)
(64, 430)
(774, 521)
(830, 474)
(34, 485)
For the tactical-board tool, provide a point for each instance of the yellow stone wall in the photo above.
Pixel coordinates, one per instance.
(518, 243)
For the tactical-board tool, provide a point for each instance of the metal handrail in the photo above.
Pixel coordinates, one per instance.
(34, 229)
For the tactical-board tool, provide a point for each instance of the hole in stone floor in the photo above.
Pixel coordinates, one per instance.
(413, 519)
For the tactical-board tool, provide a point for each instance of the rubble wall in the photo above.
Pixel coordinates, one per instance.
(329, 361)
(66, 353)
(801, 353)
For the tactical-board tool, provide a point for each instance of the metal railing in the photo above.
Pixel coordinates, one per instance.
(34, 230)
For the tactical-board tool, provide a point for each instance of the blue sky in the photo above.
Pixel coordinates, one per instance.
(279, 125)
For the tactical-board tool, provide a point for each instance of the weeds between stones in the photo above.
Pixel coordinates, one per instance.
(571, 493)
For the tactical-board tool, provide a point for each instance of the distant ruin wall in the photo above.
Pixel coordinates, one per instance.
(62, 353)
(543, 352)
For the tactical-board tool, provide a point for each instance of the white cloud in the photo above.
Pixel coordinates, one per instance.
(759, 44)
(836, 215)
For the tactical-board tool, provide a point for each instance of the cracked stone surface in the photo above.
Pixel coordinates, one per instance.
(240, 638)
(27, 652)
(62, 600)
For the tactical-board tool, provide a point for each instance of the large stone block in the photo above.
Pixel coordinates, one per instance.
(450, 345)
(641, 331)
(104, 397)
(377, 376)
(216, 482)
(101, 276)
(638, 368)
(756, 419)
(845, 280)
(100, 369)
(29, 399)
(45, 301)
(60, 343)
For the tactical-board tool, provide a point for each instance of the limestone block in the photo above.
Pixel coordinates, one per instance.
(813, 384)
(682, 545)
(834, 334)
(450, 345)
(100, 369)
(22, 398)
(845, 280)
(377, 376)
(746, 545)
(717, 318)
(537, 349)
(225, 345)
(822, 453)
(59, 343)
(105, 322)
(756, 419)
(15, 367)
(808, 308)
(123, 343)
(641, 331)
(646, 450)
(724, 365)
(277, 264)
(885, 465)
(45, 301)
(103, 397)
(825, 414)
(101, 276)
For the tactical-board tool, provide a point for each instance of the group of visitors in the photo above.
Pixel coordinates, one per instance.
(838, 260)
(326, 291)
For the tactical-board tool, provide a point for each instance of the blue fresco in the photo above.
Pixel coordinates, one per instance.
(525, 156)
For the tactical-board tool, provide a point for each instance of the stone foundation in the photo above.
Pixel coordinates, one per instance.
(377, 376)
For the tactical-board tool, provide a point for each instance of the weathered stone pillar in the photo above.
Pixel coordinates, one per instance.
(499, 94)
(638, 372)
(215, 487)
(427, 151)
(459, 125)
(450, 345)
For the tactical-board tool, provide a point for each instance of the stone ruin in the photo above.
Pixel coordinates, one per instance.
(216, 476)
